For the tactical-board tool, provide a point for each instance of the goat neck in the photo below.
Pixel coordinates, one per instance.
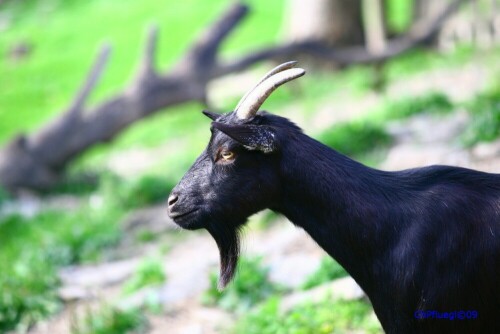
(340, 222)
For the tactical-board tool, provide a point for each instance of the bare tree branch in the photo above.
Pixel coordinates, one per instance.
(92, 79)
(148, 66)
(37, 161)
(203, 53)
(420, 34)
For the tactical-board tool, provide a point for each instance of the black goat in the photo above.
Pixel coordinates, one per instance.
(420, 242)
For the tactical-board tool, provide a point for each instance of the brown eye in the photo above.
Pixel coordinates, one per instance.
(227, 155)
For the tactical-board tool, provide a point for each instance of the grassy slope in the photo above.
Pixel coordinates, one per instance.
(65, 40)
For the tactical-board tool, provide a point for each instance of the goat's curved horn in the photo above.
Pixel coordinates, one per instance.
(277, 69)
(254, 99)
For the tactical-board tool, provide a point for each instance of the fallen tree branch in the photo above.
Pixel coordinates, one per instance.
(38, 161)
(421, 33)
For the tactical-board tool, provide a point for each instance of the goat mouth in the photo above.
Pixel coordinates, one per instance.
(181, 217)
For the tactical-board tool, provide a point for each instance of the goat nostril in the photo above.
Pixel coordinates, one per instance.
(172, 200)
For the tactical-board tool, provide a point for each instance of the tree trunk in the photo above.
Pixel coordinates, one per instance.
(333, 22)
(424, 9)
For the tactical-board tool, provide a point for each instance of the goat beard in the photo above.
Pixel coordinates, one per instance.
(228, 242)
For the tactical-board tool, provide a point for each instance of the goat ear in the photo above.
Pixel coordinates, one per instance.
(253, 137)
(212, 115)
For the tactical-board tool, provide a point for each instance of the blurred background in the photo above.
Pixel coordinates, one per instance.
(100, 117)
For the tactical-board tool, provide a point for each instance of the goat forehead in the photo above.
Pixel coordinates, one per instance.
(227, 118)
(219, 139)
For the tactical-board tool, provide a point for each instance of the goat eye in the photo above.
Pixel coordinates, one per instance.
(227, 155)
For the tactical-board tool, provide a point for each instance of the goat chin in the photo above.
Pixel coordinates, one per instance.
(227, 238)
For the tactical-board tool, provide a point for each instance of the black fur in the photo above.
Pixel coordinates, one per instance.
(420, 239)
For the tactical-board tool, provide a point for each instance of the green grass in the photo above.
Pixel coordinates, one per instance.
(145, 236)
(328, 270)
(62, 237)
(4, 196)
(362, 136)
(65, 39)
(111, 320)
(399, 15)
(32, 250)
(420, 60)
(430, 103)
(28, 292)
(57, 239)
(146, 190)
(250, 286)
(355, 138)
(128, 193)
(264, 219)
(484, 125)
(79, 184)
(150, 272)
(328, 316)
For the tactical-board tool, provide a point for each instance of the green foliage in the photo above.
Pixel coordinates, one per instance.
(420, 59)
(399, 14)
(484, 125)
(357, 80)
(31, 250)
(432, 103)
(149, 272)
(111, 320)
(358, 137)
(355, 138)
(147, 190)
(328, 316)
(27, 291)
(250, 286)
(144, 191)
(145, 236)
(264, 219)
(328, 270)
(4, 195)
(86, 243)
(80, 185)
(64, 39)
(63, 238)
(80, 236)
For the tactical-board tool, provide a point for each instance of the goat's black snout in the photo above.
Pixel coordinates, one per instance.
(173, 199)
(183, 211)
